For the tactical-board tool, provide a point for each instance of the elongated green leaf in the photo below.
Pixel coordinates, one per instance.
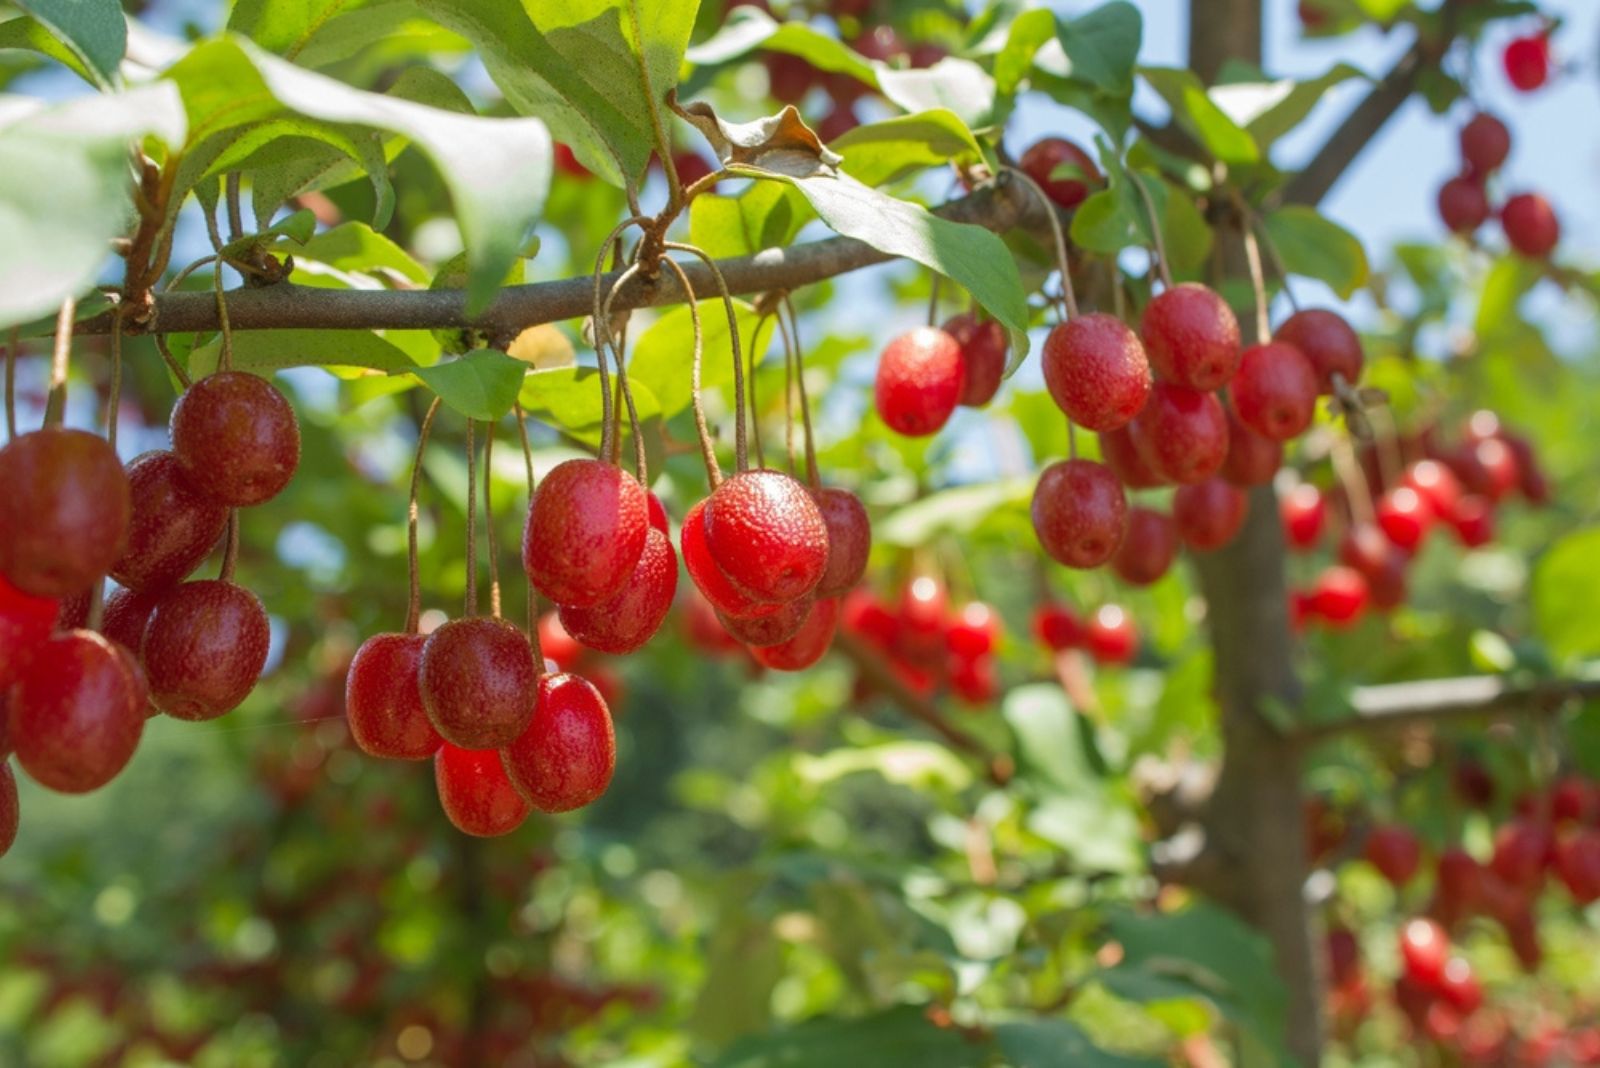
(881, 152)
(1103, 45)
(1317, 247)
(1028, 32)
(897, 1038)
(483, 384)
(1051, 1043)
(956, 85)
(1195, 112)
(1565, 587)
(569, 398)
(1270, 109)
(662, 355)
(95, 30)
(32, 35)
(952, 511)
(266, 351)
(766, 215)
(749, 28)
(356, 247)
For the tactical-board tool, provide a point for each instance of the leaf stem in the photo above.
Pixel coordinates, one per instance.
(488, 519)
(55, 408)
(740, 455)
(708, 449)
(471, 608)
(1063, 262)
(533, 595)
(805, 402)
(1155, 225)
(413, 578)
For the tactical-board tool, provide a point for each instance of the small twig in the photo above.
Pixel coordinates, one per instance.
(619, 357)
(933, 299)
(1409, 704)
(1258, 282)
(1390, 463)
(12, 343)
(755, 408)
(235, 215)
(56, 403)
(1063, 262)
(172, 362)
(1162, 266)
(1259, 225)
(805, 401)
(740, 455)
(488, 519)
(413, 578)
(533, 595)
(472, 524)
(708, 448)
(230, 555)
(1354, 480)
(602, 329)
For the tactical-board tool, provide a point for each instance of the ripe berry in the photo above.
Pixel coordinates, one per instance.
(475, 792)
(1191, 336)
(920, 382)
(1120, 451)
(1459, 987)
(809, 643)
(1325, 339)
(726, 598)
(1339, 595)
(1380, 561)
(1147, 549)
(773, 628)
(1436, 484)
(1304, 512)
(235, 438)
(77, 713)
(983, 356)
(565, 757)
(1485, 143)
(789, 77)
(1096, 371)
(767, 535)
(849, 540)
(65, 519)
(920, 629)
(172, 528)
(1208, 514)
(1521, 848)
(1395, 852)
(1530, 224)
(1457, 882)
(1044, 158)
(1577, 864)
(657, 513)
(1572, 800)
(1527, 61)
(556, 644)
(383, 699)
(865, 615)
(1463, 205)
(1424, 948)
(1079, 512)
(127, 614)
(1275, 390)
(477, 681)
(625, 621)
(974, 632)
(1405, 517)
(1344, 956)
(1057, 627)
(1182, 433)
(204, 648)
(25, 624)
(974, 680)
(1472, 783)
(1473, 521)
(1252, 459)
(9, 811)
(703, 630)
(586, 528)
(1109, 635)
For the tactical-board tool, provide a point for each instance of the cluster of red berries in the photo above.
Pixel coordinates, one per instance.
(75, 700)
(1457, 486)
(1530, 223)
(928, 643)
(1108, 635)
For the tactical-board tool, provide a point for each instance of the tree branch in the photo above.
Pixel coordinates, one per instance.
(1409, 704)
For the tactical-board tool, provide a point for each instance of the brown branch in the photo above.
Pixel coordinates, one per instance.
(1410, 704)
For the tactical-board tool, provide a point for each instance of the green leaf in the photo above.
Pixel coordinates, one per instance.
(1049, 1043)
(356, 247)
(901, 1037)
(662, 355)
(1103, 46)
(265, 351)
(95, 30)
(1028, 32)
(1050, 742)
(878, 153)
(64, 192)
(1270, 109)
(1195, 112)
(956, 85)
(748, 28)
(908, 763)
(483, 384)
(1566, 588)
(1313, 245)
(951, 511)
(569, 398)
(297, 227)
(33, 36)
(766, 215)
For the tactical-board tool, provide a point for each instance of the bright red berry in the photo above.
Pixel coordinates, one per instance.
(1275, 390)
(1527, 61)
(1339, 595)
(1325, 339)
(1191, 337)
(172, 527)
(1405, 517)
(477, 681)
(204, 647)
(1044, 158)
(1436, 483)
(1182, 433)
(773, 628)
(1057, 627)
(1079, 512)
(1424, 948)
(1521, 848)
(77, 713)
(383, 699)
(556, 644)
(1208, 514)
(1148, 548)
(1459, 987)
(65, 519)
(25, 624)
(767, 535)
(1109, 635)
(724, 596)
(626, 620)
(1463, 205)
(808, 644)
(974, 632)
(702, 629)
(1096, 371)
(920, 381)
(475, 792)
(657, 513)
(984, 344)
(1395, 852)
(1578, 865)
(849, 540)
(1252, 458)
(1531, 225)
(1121, 453)
(1304, 513)
(565, 758)
(235, 438)
(1485, 143)
(1473, 521)
(586, 528)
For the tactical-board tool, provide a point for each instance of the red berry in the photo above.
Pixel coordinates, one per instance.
(1339, 595)
(1485, 143)
(1121, 453)
(567, 163)
(1436, 484)
(703, 630)
(1275, 390)
(789, 77)
(1459, 987)
(865, 615)
(920, 630)
(1057, 627)
(809, 643)
(172, 528)
(1395, 852)
(565, 757)
(1109, 635)
(1458, 882)
(25, 624)
(475, 792)
(767, 535)
(1096, 371)
(691, 167)
(1148, 548)
(974, 632)
(556, 644)
(127, 614)
(1380, 561)
(9, 811)
(849, 540)
(1521, 848)
(1424, 948)
(76, 713)
(1252, 458)
(773, 628)
(477, 681)
(1527, 61)
(235, 438)
(879, 42)
(1405, 517)
(1041, 161)
(586, 528)
(983, 356)
(65, 519)
(204, 648)
(1473, 784)
(1079, 512)
(1572, 800)
(1325, 339)
(1182, 433)
(920, 381)
(383, 699)
(1463, 205)
(1191, 336)
(726, 598)
(626, 620)
(1473, 521)
(657, 513)
(1304, 512)
(1577, 865)
(975, 680)
(1208, 514)
(1530, 224)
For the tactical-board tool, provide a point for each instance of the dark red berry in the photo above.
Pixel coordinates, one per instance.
(1531, 225)
(1079, 512)
(1344, 956)
(1521, 848)
(1395, 852)
(76, 714)
(235, 438)
(1057, 627)
(789, 77)
(25, 624)
(383, 699)
(1304, 512)
(65, 519)
(1577, 864)
(204, 648)
(1380, 561)
(172, 528)
(1527, 61)
(1459, 987)
(984, 344)
(1325, 339)
(1191, 336)
(1044, 158)
(74, 611)
(565, 757)
(920, 382)
(1463, 205)
(774, 628)
(1182, 433)
(1096, 371)
(767, 535)
(1208, 514)
(1485, 143)
(475, 792)
(477, 681)
(809, 643)
(1252, 458)
(586, 528)
(1120, 451)
(127, 614)
(626, 620)
(1109, 635)
(1275, 390)
(1148, 548)
(849, 540)
(1473, 521)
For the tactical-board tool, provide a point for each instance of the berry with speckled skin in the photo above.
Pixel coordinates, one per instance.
(475, 792)
(1325, 339)
(772, 629)
(1531, 225)
(708, 578)
(204, 648)
(657, 512)
(10, 813)
(1148, 548)
(236, 438)
(849, 540)
(172, 528)
(1096, 371)
(1208, 514)
(1463, 204)
(25, 624)
(383, 699)
(1275, 390)
(477, 681)
(127, 614)
(586, 528)
(77, 713)
(628, 619)
(809, 643)
(1079, 512)
(919, 382)
(65, 519)
(1252, 459)
(1182, 433)
(565, 758)
(1485, 142)
(1120, 451)
(983, 357)
(1191, 336)
(767, 535)
(1044, 157)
